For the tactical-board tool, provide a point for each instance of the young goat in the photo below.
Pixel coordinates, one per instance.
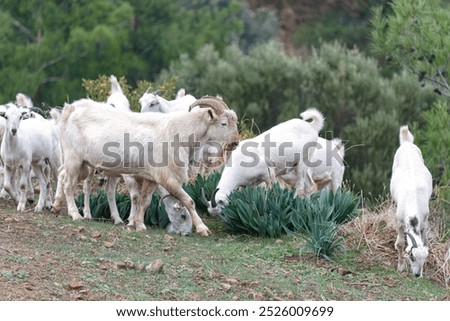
(411, 188)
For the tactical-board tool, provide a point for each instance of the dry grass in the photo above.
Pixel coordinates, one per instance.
(374, 233)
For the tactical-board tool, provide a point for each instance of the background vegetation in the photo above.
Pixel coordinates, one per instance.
(368, 70)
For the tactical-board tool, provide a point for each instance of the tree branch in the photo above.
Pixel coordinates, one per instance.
(52, 62)
(24, 30)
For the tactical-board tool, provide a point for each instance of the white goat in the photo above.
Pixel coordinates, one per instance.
(152, 102)
(286, 146)
(180, 224)
(31, 143)
(92, 133)
(411, 188)
(117, 98)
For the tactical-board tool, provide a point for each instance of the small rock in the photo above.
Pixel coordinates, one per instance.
(168, 237)
(278, 241)
(129, 264)
(10, 220)
(166, 249)
(108, 244)
(75, 285)
(155, 267)
(80, 237)
(96, 234)
(225, 286)
(139, 267)
(79, 229)
(121, 265)
(232, 281)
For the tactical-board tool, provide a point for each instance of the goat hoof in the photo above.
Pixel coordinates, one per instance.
(204, 233)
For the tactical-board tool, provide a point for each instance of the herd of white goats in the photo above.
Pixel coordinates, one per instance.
(87, 136)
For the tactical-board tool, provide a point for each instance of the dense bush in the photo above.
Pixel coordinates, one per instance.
(361, 106)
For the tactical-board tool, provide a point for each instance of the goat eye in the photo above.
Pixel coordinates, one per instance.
(183, 216)
(411, 257)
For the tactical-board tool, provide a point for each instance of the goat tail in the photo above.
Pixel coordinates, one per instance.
(23, 100)
(316, 116)
(405, 135)
(115, 86)
(55, 113)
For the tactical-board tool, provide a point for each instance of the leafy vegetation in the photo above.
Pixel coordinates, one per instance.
(276, 211)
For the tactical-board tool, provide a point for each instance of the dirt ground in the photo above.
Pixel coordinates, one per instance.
(30, 271)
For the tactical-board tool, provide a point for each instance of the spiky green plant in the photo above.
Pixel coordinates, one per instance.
(320, 229)
(259, 211)
(207, 184)
(275, 211)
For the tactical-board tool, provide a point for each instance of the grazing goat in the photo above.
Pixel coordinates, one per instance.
(138, 144)
(411, 188)
(28, 143)
(152, 102)
(285, 147)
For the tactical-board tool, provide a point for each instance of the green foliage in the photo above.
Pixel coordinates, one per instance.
(275, 211)
(321, 231)
(259, 211)
(361, 106)
(347, 22)
(413, 34)
(48, 47)
(434, 141)
(155, 215)
(262, 85)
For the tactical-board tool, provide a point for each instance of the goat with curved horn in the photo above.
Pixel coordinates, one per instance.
(218, 105)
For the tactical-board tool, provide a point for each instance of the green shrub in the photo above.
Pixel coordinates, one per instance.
(275, 211)
(319, 218)
(259, 211)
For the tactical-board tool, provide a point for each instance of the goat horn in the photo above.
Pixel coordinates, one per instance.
(148, 89)
(210, 101)
(161, 199)
(37, 110)
(203, 198)
(413, 240)
(157, 92)
(213, 198)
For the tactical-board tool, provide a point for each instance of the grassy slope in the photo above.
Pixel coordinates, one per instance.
(44, 257)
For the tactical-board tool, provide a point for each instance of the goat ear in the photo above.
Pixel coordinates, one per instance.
(212, 115)
(2, 113)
